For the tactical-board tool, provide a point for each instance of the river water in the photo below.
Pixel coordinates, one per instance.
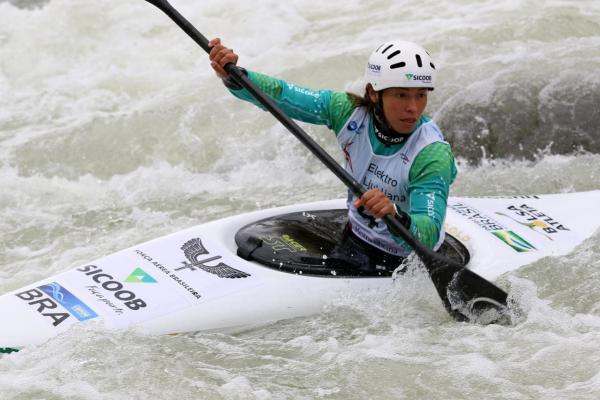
(114, 131)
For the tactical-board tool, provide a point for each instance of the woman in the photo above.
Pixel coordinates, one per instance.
(390, 147)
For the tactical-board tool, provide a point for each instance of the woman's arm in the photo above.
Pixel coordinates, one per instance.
(322, 107)
(430, 177)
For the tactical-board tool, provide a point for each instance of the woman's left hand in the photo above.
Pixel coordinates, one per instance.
(377, 203)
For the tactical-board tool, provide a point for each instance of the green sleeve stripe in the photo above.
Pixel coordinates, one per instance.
(431, 175)
(270, 86)
(322, 107)
(434, 159)
(340, 109)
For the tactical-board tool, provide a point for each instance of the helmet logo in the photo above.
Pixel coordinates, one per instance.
(374, 68)
(399, 64)
(422, 78)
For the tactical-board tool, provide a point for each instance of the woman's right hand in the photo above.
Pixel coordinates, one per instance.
(220, 56)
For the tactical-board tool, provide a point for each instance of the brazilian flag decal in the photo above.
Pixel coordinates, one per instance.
(140, 276)
(515, 241)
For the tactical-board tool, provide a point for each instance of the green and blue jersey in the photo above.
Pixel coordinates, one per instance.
(430, 173)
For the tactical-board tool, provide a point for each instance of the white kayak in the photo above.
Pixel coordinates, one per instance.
(194, 280)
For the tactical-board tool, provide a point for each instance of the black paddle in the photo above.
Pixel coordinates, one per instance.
(466, 295)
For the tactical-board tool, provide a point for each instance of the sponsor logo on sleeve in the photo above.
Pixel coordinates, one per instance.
(304, 91)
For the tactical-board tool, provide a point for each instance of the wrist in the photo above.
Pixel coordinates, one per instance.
(403, 217)
(231, 84)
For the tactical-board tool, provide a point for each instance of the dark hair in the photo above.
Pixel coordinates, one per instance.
(364, 101)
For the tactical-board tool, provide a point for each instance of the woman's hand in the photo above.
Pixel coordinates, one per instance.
(220, 56)
(377, 203)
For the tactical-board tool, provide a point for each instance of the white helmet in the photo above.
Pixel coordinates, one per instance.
(400, 64)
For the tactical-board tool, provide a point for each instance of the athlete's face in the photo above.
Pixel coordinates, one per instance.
(402, 107)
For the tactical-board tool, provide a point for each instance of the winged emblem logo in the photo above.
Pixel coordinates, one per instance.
(194, 251)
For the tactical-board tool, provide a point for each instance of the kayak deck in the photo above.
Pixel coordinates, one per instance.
(193, 280)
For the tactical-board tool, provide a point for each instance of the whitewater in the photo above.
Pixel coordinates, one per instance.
(114, 131)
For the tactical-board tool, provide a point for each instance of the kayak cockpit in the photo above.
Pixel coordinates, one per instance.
(318, 243)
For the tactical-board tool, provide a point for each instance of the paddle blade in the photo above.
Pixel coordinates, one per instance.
(469, 297)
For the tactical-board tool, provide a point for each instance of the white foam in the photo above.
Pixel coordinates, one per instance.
(114, 130)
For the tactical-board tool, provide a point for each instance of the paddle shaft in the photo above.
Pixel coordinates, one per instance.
(442, 270)
(240, 78)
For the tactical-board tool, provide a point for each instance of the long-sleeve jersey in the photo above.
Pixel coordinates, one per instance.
(430, 175)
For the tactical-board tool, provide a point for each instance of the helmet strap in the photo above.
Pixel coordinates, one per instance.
(384, 132)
